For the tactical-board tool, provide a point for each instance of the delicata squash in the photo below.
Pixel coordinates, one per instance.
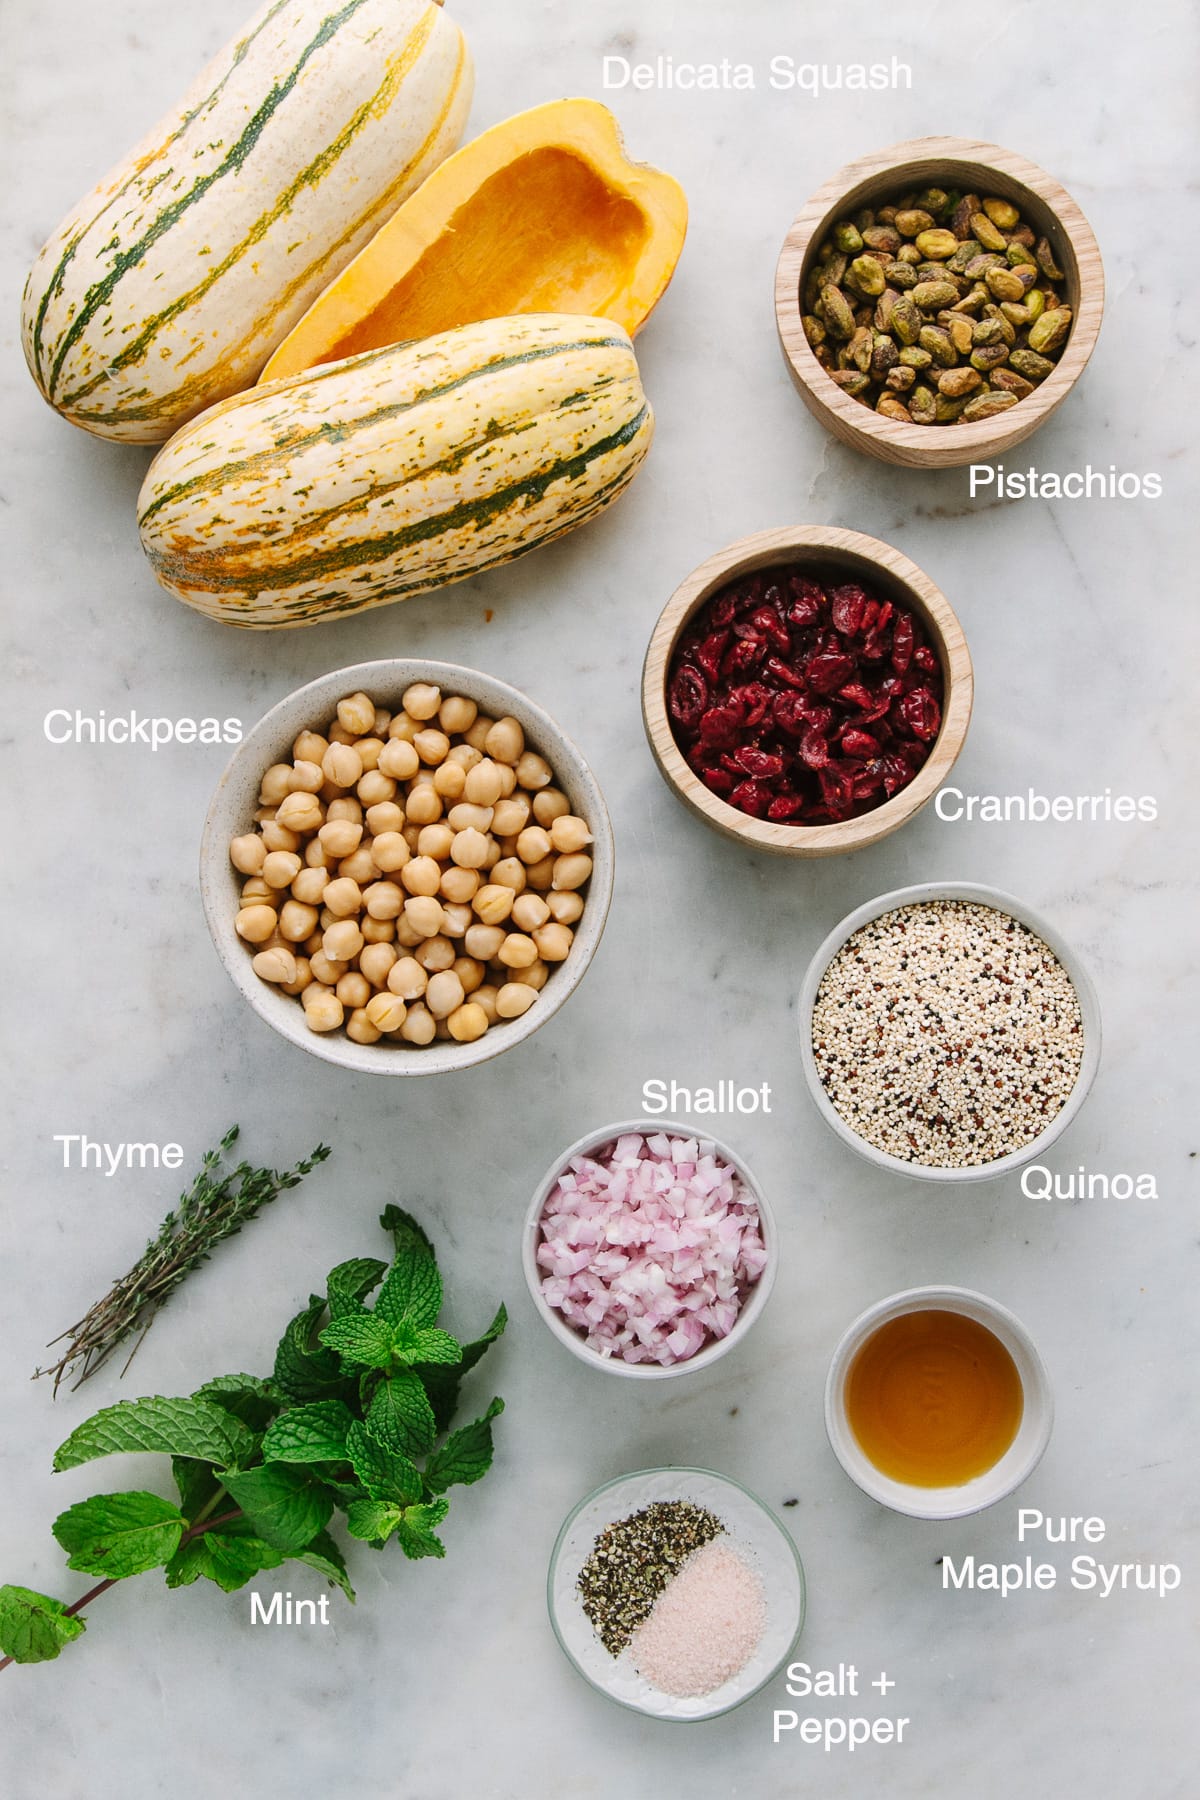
(543, 213)
(167, 288)
(396, 471)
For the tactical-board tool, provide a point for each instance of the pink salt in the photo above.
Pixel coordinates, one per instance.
(705, 1625)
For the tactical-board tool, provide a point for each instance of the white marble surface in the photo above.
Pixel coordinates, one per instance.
(445, 1682)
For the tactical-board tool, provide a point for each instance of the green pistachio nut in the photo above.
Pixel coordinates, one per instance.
(914, 357)
(912, 220)
(922, 405)
(1005, 284)
(866, 277)
(983, 229)
(955, 383)
(837, 312)
(931, 296)
(986, 406)
(1032, 366)
(939, 345)
(1050, 332)
(1046, 262)
(1002, 213)
(847, 237)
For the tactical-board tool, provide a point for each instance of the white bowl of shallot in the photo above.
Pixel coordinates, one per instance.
(649, 1249)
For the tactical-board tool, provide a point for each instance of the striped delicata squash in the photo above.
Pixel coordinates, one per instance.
(168, 287)
(403, 469)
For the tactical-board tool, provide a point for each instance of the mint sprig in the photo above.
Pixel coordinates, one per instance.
(349, 1421)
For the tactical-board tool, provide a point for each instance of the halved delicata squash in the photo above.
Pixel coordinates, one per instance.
(542, 214)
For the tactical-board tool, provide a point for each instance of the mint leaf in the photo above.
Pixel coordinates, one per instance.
(361, 1339)
(303, 1371)
(353, 1281)
(400, 1415)
(415, 1530)
(373, 1520)
(309, 1434)
(404, 1226)
(442, 1383)
(385, 1474)
(33, 1627)
(437, 1347)
(412, 1288)
(323, 1555)
(285, 1506)
(248, 1398)
(179, 1427)
(198, 1486)
(119, 1534)
(466, 1455)
(229, 1559)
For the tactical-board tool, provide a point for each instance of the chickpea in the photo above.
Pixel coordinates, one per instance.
(248, 853)
(277, 837)
(309, 884)
(326, 972)
(369, 749)
(564, 907)
(483, 941)
(342, 765)
(508, 781)
(407, 978)
(399, 760)
(432, 746)
(469, 849)
(476, 735)
(307, 778)
(467, 1023)
(383, 817)
(553, 942)
(345, 806)
(376, 931)
(569, 834)
(311, 944)
(514, 999)
(390, 852)
(510, 872)
(407, 936)
(324, 1012)
(412, 837)
(315, 855)
(360, 866)
(310, 746)
(383, 900)
(360, 1029)
(256, 923)
(529, 911)
(353, 989)
(300, 812)
(541, 875)
(424, 914)
(424, 804)
(493, 903)
(257, 889)
(483, 784)
(457, 714)
(459, 885)
(449, 780)
(516, 952)
(510, 817)
(276, 784)
(493, 855)
(310, 992)
(456, 921)
(343, 941)
(533, 845)
(402, 730)
(444, 993)
(485, 998)
(505, 741)
(420, 1027)
(466, 817)
(533, 771)
(434, 954)
(343, 898)
(470, 972)
(549, 805)
(535, 976)
(337, 733)
(466, 755)
(570, 872)
(297, 921)
(300, 980)
(422, 875)
(422, 700)
(263, 814)
(374, 788)
(377, 962)
(275, 965)
(387, 1012)
(435, 841)
(340, 837)
(357, 713)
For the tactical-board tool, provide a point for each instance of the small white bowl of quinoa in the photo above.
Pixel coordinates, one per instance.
(948, 1032)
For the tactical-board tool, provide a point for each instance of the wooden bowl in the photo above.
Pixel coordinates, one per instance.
(824, 551)
(878, 179)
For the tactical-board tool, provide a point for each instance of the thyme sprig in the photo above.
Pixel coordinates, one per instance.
(215, 1207)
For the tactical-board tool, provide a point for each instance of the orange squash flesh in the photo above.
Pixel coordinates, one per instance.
(543, 213)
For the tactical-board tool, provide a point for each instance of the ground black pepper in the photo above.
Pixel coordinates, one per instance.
(633, 1560)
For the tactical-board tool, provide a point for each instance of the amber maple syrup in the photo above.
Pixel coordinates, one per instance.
(934, 1399)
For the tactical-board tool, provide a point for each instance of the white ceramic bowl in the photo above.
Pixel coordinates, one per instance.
(1019, 1460)
(232, 811)
(979, 895)
(572, 1339)
(756, 1533)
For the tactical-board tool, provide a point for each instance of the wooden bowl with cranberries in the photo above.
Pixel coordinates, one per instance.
(806, 691)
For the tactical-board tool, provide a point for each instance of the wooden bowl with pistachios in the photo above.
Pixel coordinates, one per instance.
(936, 301)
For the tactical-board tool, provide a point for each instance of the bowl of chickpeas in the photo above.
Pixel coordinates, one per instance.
(406, 867)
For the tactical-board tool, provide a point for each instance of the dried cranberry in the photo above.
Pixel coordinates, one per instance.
(805, 604)
(925, 659)
(709, 653)
(718, 780)
(759, 763)
(902, 643)
(827, 673)
(756, 698)
(787, 805)
(814, 749)
(751, 797)
(922, 714)
(858, 743)
(721, 724)
(837, 790)
(849, 605)
(784, 672)
(789, 714)
(722, 612)
(688, 697)
(896, 774)
(743, 654)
